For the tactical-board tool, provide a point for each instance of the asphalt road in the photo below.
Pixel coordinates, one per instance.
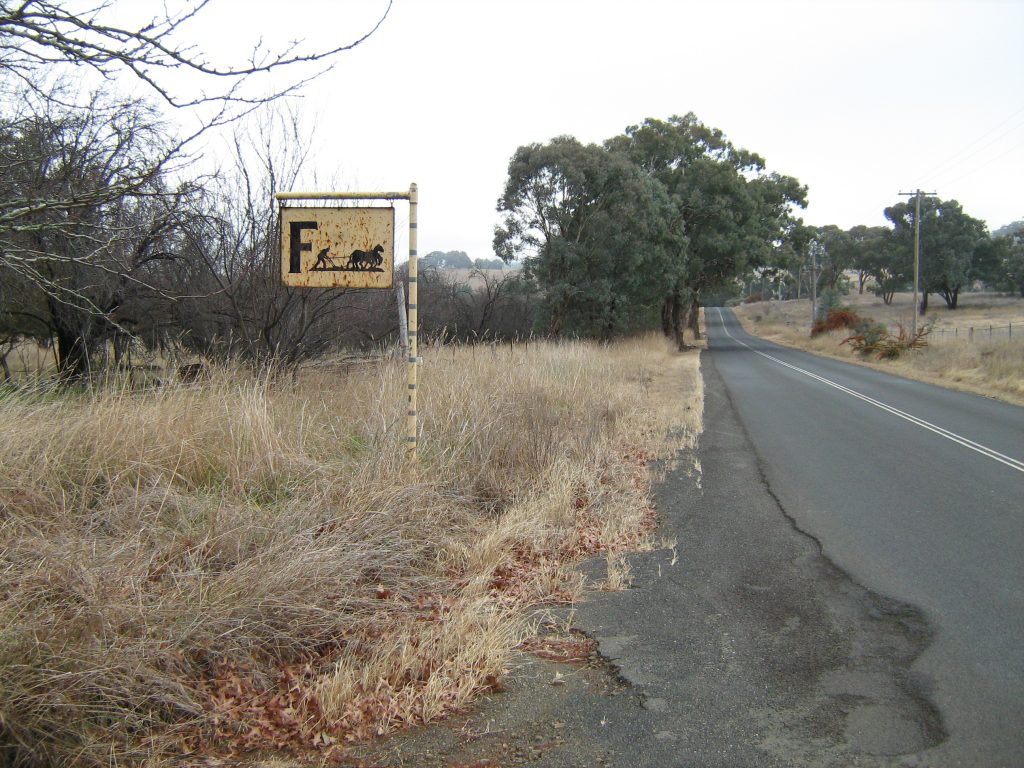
(917, 493)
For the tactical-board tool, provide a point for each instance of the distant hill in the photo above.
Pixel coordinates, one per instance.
(1009, 229)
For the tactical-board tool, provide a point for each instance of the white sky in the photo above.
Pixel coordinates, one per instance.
(858, 100)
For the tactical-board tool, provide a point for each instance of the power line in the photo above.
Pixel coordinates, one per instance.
(972, 149)
(985, 164)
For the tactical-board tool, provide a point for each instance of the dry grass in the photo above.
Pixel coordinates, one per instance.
(251, 564)
(986, 366)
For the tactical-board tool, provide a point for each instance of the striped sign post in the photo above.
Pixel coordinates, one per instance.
(330, 234)
(413, 306)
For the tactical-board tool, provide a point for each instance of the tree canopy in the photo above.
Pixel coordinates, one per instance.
(623, 234)
(949, 245)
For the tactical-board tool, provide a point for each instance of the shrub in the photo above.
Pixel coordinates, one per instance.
(875, 339)
(829, 301)
(837, 318)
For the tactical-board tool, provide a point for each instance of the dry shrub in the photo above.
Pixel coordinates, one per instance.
(874, 339)
(251, 563)
(836, 319)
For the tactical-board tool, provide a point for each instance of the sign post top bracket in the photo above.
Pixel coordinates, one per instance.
(283, 196)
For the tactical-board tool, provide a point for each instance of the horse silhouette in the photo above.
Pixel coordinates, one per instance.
(366, 259)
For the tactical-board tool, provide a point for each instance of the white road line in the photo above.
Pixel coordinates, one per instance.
(953, 436)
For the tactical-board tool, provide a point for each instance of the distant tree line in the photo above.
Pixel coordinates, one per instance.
(458, 260)
(957, 253)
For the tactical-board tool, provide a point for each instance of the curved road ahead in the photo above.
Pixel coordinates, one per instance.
(917, 492)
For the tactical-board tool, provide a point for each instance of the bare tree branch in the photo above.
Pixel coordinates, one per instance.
(39, 34)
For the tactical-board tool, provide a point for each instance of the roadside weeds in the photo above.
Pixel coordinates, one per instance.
(251, 565)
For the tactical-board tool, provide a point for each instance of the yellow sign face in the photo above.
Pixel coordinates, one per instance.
(338, 247)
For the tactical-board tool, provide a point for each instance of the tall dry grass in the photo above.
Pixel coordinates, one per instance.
(986, 366)
(252, 563)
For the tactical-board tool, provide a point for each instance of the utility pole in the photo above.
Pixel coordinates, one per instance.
(917, 252)
(814, 284)
(812, 280)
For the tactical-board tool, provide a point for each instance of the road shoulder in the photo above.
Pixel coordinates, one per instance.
(742, 646)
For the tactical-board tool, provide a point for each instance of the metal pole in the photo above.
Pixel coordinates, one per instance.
(411, 428)
(917, 259)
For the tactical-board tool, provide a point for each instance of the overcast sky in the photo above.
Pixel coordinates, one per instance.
(858, 100)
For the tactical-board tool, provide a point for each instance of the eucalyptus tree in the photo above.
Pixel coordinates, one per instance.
(592, 231)
(890, 266)
(837, 253)
(869, 245)
(726, 212)
(949, 241)
(1012, 272)
(1008, 242)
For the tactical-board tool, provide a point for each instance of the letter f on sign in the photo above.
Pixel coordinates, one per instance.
(296, 246)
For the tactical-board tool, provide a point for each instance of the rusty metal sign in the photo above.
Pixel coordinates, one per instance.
(338, 247)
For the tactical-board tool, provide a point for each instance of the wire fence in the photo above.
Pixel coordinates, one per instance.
(977, 333)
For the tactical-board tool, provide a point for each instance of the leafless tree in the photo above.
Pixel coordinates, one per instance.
(231, 245)
(72, 252)
(35, 35)
(42, 40)
(487, 304)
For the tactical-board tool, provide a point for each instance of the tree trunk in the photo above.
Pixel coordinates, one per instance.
(72, 355)
(666, 315)
(609, 329)
(693, 320)
(122, 350)
(923, 307)
(677, 320)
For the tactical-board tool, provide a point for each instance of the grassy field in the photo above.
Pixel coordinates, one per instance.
(251, 564)
(988, 363)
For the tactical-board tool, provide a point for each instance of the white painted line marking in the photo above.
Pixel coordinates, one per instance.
(953, 436)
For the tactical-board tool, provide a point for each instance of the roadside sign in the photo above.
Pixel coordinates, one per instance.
(338, 247)
(353, 248)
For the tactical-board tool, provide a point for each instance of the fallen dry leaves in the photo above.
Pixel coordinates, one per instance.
(287, 714)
